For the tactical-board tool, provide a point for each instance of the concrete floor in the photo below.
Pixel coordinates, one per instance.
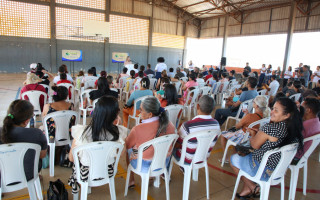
(222, 180)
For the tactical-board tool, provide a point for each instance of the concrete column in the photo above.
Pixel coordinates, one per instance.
(106, 62)
(150, 34)
(53, 40)
(225, 37)
(292, 20)
(184, 53)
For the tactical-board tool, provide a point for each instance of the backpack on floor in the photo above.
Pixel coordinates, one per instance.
(57, 191)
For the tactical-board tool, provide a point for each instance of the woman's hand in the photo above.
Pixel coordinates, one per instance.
(245, 111)
(252, 131)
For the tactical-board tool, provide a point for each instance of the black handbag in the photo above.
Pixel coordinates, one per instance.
(57, 191)
(244, 148)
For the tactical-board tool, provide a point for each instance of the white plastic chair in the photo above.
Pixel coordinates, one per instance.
(62, 136)
(157, 167)
(199, 160)
(34, 98)
(261, 122)
(177, 84)
(303, 163)
(150, 76)
(201, 85)
(209, 81)
(101, 154)
(70, 88)
(135, 108)
(295, 97)
(237, 117)
(262, 92)
(188, 107)
(205, 90)
(215, 89)
(13, 176)
(47, 87)
(130, 82)
(153, 82)
(222, 92)
(90, 82)
(287, 153)
(185, 79)
(85, 95)
(174, 113)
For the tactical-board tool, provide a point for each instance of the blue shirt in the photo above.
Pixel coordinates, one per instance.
(137, 94)
(247, 95)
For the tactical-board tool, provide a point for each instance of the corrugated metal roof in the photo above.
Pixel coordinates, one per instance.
(210, 8)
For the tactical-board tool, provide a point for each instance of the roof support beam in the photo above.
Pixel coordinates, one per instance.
(53, 36)
(292, 20)
(225, 37)
(106, 49)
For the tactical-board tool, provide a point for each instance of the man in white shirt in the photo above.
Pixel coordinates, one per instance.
(89, 81)
(273, 87)
(62, 69)
(287, 75)
(160, 67)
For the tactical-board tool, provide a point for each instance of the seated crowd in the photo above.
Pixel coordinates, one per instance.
(290, 120)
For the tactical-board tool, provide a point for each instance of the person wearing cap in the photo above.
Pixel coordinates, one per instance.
(33, 68)
(32, 83)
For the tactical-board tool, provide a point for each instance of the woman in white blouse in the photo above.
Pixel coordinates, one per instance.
(316, 77)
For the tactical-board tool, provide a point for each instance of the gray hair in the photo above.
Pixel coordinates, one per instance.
(206, 104)
(262, 103)
(152, 105)
(178, 69)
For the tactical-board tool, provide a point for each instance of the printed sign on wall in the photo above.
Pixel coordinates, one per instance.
(72, 55)
(118, 57)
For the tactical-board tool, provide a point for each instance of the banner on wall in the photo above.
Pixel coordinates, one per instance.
(118, 57)
(72, 55)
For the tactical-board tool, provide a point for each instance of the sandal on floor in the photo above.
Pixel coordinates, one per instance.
(132, 186)
(245, 197)
(255, 193)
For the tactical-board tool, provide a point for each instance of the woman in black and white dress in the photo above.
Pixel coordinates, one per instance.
(285, 128)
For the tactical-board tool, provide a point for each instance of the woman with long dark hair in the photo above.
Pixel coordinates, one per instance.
(14, 130)
(170, 96)
(155, 123)
(285, 128)
(101, 128)
(103, 89)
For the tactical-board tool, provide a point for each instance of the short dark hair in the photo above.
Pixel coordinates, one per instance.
(90, 71)
(206, 104)
(274, 77)
(297, 84)
(140, 74)
(61, 69)
(135, 66)
(224, 74)
(252, 81)
(232, 72)
(132, 73)
(124, 70)
(63, 76)
(160, 59)
(170, 69)
(61, 93)
(142, 68)
(313, 104)
(210, 71)
(149, 66)
(245, 74)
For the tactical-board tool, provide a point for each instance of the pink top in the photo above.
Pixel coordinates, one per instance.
(310, 128)
(189, 84)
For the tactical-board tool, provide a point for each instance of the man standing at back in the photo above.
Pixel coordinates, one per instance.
(222, 114)
(203, 121)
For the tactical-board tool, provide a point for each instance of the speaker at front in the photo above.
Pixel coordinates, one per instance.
(223, 61)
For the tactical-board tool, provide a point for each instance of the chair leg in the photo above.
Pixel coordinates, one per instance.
(38, 188)
(127, 181)
(170, 167)
(167, 179)
(293, 182)
(195, 174)
(207, 180)
(84, 191)
(51, 159)
(75, 196)
(265, 188)
(144, 186)
(0, 193)
(282, 189)
(225, 153)
(305, 175)
(84, 118)
(112, 189)
(186, 183)
(236, 186)
(89, 190)
(32, 190)
(156, 182)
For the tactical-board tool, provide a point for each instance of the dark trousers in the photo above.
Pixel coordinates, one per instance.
(221, 115)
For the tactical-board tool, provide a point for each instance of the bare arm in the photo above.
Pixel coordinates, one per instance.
(70, 153)
(45, 110)
(43, 153)
(260, 138)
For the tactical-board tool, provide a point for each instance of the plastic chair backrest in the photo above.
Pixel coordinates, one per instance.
(195, 93)
(287, 153)
(114, 89)
(89, 82)
(215, 87)
(94, 103)
(70, 88)
(224, 86)
(122, 82)
(262, 92)
(177, 85)
(204, 140)
(185, 79)
(161, 147)
(78, 82)
(137, 104)
(174, 113)
(150, 76)
(85, 95)
(261, 123)
(209, 80)
(34, 98)
(200, 80)
(12, 155)
(130, 82)
(101, 154)
(201, 84)
(241, 107)
(152, 83)
(62, 121)
(205, 90)
(295, 97)
(315, 142)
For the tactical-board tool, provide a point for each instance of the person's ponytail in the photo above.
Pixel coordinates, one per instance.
(163, 121)
(6, 129)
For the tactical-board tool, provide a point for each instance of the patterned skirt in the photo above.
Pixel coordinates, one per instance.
(236, 136)
(84, 173)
